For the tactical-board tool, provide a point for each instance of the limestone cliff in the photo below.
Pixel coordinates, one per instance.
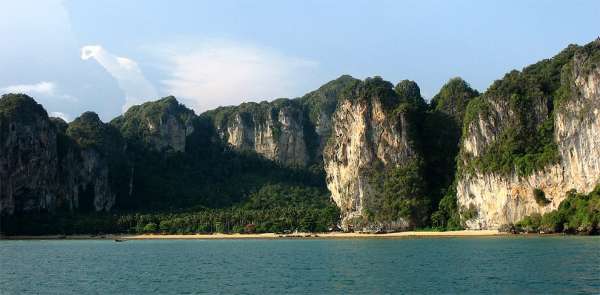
(274, 130)
(41, 168)
(290, 131)
(162, 125)
(319, 105)
(568, 109)
(370, 134)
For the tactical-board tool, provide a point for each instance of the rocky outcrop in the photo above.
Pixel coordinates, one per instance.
(162, 125)
(319, 105)
(99, 159)
(84, 183)
(501, 198)
(453, 98)
(369, 135)
(290, 131)
(41, 168)
(274, 130)
(28, 156)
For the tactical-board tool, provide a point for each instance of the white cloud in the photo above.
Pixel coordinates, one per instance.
(126, 72)
(225, 73)
(44, 87)
(59, 115)
(40, 45)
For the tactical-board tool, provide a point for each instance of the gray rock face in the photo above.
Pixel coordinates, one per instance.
(501, 199)
(319, 106)
(28, 157)
(275, 132)
(84, 182)
(162, 125)
(366, 138)
(41, 169)
(168, 133)
(290, 131)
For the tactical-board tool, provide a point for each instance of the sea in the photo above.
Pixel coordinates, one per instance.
(464, 265)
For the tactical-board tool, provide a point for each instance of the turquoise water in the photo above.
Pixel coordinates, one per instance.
(515, 265)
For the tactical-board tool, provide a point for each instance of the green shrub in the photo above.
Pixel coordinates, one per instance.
(530, 223)
(577, 213)
(150, 228)
(525, 143)
(470, 213)
(540, 197)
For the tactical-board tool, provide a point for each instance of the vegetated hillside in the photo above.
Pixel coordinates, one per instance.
(577, 213)
(365, 155)
(161, 157)
(534, 130)
(157, 157)
(289, 131)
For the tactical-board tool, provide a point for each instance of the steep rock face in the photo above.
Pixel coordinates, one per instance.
(84, 183)
(42, 169)
(290, 131)
(319, 106)
(28, 156)
(441, 134)
(92, 164)
(274, 130)
(162, 125)
(367, 138)
(501, 198)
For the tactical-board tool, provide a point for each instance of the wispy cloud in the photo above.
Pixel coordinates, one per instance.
(220, 73)
(60, 115)
(125, 71)
(44, 87)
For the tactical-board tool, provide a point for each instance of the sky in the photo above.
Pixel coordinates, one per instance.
(105, 56)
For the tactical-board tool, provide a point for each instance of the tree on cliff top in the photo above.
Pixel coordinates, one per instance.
(453, 98)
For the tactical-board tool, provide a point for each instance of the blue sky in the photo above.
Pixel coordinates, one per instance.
(105, 56)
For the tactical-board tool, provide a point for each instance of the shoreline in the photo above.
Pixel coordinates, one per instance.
(221, 236)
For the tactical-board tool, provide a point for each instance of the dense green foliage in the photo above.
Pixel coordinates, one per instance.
(274, 208)
(318, 107)
(578, 213)
(402, 187)
(525, 142)
(252, 113)
(207, 175)
(403, 100)
(273, 196)
(323, 101)
(135, 123)
(89, 132)
(373, 88)
(447, 215)
(540, 197)
(409, 92)
(18, 108)
(413, 191)
(515, 151)
(404, 194)
(232, 220)
(207, 180)
(453, 98)
(314, 110)
(441, 135)
(210, 187)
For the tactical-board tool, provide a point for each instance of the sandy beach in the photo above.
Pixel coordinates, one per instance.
(331, 235)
